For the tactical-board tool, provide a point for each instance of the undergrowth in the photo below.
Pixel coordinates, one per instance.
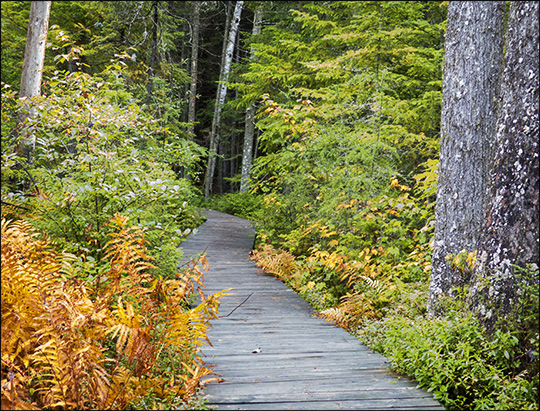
(453, 358)
(125, 339)
(245, 205)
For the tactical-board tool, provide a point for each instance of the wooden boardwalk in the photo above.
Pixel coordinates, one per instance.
(300, 362)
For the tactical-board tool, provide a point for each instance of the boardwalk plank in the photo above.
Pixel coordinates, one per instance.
(397, 404)
(304, 362)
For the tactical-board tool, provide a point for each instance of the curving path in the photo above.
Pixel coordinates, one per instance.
(300, 362)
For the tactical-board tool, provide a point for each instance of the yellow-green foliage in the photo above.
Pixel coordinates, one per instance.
(71, 344)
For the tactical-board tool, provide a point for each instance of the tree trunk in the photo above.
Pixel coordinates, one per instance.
(511, 233)
(153, 57)
(247, 154)
(229, 15)
(471, 79)
(194, 62)
(222, 93)
(221, 169)
(234, 135)
(32, 71)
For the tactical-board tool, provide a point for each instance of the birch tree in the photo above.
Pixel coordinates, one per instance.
(247, 154)
(32, 71)
(220, 100)
(510, 236)
(471, 79)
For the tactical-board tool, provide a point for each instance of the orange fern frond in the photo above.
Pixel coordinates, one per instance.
(279, 263)
(56, 327)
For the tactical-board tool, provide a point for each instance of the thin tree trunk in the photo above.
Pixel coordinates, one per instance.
(257, 135)
(234, 135)
(32, 71)
(229, 11)
(471, 82)
(232, 160)
(222, 93)
(511, 233)
(194, 62)
(153, 57)
(221, 166)
(247, 153)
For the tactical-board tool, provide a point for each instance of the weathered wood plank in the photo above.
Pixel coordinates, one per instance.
(337, 396)
(386, 404)
(304, 362)
(337, 384)
(306, 374)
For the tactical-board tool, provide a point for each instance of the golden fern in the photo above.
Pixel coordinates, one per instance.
(366, 292)
(54, 329)
(279, 263)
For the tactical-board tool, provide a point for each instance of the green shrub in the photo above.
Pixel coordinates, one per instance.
(245, 205)
(453, 358)
(95, 157)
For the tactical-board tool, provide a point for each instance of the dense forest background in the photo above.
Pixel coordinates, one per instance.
(320, 121)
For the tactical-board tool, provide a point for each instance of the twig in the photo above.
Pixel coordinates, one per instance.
(237, 307)
(15, 205)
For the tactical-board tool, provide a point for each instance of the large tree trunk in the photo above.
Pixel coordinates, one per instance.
(32, 71)
(510, 236)
(194, 62)
(471, 79)
(153, 57)
(247, 154)
(222, 93)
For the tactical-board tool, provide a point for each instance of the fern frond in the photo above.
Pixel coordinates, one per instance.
(55, 327)
(335, 315)
(279, 263)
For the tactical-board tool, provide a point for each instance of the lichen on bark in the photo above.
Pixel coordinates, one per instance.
(510, 235)
(471, 78)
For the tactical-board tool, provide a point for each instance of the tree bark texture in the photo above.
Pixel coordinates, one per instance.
(34, 53)
(471, 83)
(247, 154)
(194, 62)
(32, 71)
(220, 101)
(511, 231)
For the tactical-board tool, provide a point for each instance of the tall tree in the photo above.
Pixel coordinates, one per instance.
(34, 56)
(220, 100)
(247, 154)
(471, 79)
(510, 237)
(153, 57)
(194, 62)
